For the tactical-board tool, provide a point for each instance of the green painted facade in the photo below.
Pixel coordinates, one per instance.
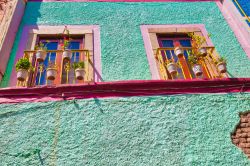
(121, 39)
(124, 131)
(163, 130)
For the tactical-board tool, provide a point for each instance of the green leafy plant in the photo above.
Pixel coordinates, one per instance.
(66, 44)
(52, 65)
(78, 65)
(221, 60)
(169, 61)
(66, 39)
(42, 46)
(192, 60)
(197, 40)
(23, 63)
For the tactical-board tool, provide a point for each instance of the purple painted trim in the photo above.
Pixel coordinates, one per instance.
(124, 89)
(11, 34)
(21, 47)
(149, 48)
(97, 48)
(240, 28)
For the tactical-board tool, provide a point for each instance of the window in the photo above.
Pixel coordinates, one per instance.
(244, 8)
(67, 73)
(83, 46)
(161, 41)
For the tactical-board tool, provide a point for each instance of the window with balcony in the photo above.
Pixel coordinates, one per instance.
(182, 52)
(60, 58)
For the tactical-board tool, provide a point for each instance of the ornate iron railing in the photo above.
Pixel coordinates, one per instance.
(65, 73)
(164, 55)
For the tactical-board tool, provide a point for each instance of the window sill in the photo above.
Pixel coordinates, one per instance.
(123, 89)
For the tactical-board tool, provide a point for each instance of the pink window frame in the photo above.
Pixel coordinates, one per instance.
(96, 47)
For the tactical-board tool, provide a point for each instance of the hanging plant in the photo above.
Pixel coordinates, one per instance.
(171, 67)
(197, 41)
(221, 65)
(67, 54)
(196, 67)
(41, 51)
(51, 72)
(79, 70)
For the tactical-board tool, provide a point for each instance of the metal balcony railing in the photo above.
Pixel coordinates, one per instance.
(184, 70)
(65, 73)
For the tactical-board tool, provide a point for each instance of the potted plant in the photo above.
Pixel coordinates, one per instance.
(197, 42)
(67, 54)
(171, 67)
(178, 51)
(196, 67)
(221, 65)
(51, 72)
(41, 51)
(23, 65)
(203, 52)
(79, 70)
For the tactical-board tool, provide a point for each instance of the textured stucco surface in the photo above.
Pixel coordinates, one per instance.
(123, 54)
(164, 130)
(124, 131)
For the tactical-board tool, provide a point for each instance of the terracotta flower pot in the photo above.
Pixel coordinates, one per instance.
(222, 67)
(80, 73)
(41, 55)
(67, 54)
(178, 52)
(203, 52)
(22, 74)
(51, 73)
(197, 70)
(172, 68)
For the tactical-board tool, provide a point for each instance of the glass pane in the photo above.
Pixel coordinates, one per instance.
(185, 43)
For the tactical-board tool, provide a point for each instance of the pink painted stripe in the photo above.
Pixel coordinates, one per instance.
(10, 35)
(233, 18)
(124, 89)
(150, 54)
(122, 0)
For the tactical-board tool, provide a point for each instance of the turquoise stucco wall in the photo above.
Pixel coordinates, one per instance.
(127, 131)
(136, 131)
(122, 49)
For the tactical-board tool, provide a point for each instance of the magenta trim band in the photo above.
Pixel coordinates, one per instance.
(97, 48)
(122, 0)
(123, 89)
